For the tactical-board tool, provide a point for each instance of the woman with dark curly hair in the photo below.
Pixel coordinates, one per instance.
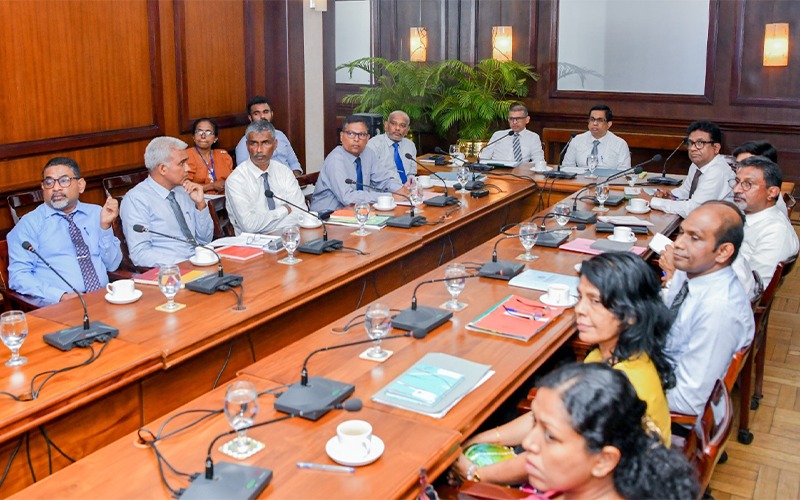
(620, 312)
(588, 440)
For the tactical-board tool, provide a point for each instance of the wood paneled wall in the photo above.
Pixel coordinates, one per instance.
(95, 80)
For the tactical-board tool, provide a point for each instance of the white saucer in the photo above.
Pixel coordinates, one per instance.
(630, 240)
(202, 263)
(310, 225)
(334, 451)
(544, 299)
(541, 170)
(578, 267)
(384, 209)
(137, 294)
(636, 211)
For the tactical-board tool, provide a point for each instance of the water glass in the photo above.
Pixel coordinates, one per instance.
(592, 161)
(361, 211)
(378, 323)
(463, 176)
(291, 238)
(562, 211)
(241, 408)
(13, 330)
(601, 193)
(169, 281)
(631, 178)
(415, 194)
(456, 281)
(453, 150)
(528, 234)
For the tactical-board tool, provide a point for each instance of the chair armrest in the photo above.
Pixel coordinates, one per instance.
(471, 489)
(682, 418)
(15, 300)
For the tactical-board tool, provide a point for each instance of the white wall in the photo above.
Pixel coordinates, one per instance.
(312, 54)
(352, 38)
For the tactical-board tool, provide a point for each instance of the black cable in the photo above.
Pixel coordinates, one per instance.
(35, 392)
(252, 347)
(375, 285)
(498, 188)
(361, 297)
(441, 255)
(49, 452)
(355, 250)
(224, 365)
(271, 390)
(28, 455)
(11, 459)
(12, 396)
(239, 297)
(51, 442)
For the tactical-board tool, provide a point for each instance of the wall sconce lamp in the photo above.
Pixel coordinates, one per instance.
(418, 44)
(776, 44)
(501, 43)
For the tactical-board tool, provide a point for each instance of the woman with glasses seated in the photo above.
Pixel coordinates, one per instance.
(620, 312)
(208, 166)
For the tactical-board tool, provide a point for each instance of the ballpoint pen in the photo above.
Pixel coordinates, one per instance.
(325, 467)
(520, 314)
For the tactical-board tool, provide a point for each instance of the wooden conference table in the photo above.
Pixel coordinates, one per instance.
(135, 473)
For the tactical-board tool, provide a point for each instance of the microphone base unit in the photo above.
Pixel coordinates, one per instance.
(406, 221)
(306, 401)
(557, 174)
(613, 200)
(318, 246)
(210, 284)
(479, 167)
(474, 185)
(552, 240)
(77, 336)
(664, 181)
(583, 217)
(423, 319)
(230, 481)
(441, 201)
(501, 270)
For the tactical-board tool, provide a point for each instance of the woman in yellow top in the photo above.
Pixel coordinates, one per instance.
(208, 167)
(621, 313)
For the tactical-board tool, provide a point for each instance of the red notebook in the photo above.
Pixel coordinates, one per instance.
(241, 253)
(515, 317)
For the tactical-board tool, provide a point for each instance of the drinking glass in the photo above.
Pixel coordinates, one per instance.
(592, 161)
(291, 238)
(415, 194)
(362, 216)
(378, 323)
(529, 233)
(631, 178)
(456, 281)
(562, 211)
(241, 407)
(169, 281)
(13, 330)
(601, 193)
(453, 149)
(463, 176)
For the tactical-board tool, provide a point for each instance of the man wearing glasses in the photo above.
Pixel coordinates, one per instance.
(611, 150)
(351, 160)
(392, 146)
(708, 175)
(75, 238)
(514, 144)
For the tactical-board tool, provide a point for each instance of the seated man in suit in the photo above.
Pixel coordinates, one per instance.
(708, 175)
(75, 238)
(517, 143)
(612, 151)
(166, 202)
(259, 108)
(713, 315)
(392, 146)
(351, 160)
(250, 209)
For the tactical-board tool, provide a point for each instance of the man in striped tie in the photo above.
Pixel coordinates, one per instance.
(517, 143)
(392, 146)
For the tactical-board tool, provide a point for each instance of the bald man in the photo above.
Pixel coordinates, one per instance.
(391, 147)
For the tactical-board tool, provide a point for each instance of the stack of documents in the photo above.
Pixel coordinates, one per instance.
(516, 318)
(346, 217)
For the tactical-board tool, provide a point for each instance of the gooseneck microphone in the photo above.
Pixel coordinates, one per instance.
(436, 201)
(318, 245)
(492, 143)
(80, 336)
(557, 173)
(207, 284)
(470, 185)
(404, 221)
(423, 318)
(313, 397)
(663, 179)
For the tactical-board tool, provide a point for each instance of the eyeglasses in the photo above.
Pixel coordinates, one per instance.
(513, 119)
(203, 133)
(353, 135)
(697, 145)
(597, 120)
(64, 181)
(746, 185)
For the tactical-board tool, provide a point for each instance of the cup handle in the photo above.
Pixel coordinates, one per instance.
(366, 444)
(110, 289)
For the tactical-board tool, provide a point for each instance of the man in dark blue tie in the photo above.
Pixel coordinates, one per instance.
(351, 160)
(392, 146)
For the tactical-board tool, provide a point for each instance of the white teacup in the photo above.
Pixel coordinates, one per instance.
(540, 165)
(623, 233)
(558, 294)
(460, 156)
(355, 438)
(121, 289)
(204, 255)
(310, 218)
(639, 204)
(425, 181)
(385, 201)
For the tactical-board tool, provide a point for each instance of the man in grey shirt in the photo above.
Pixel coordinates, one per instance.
(391, 147)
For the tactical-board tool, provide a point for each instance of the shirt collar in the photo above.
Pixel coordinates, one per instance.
(50, 211)
(752, 219)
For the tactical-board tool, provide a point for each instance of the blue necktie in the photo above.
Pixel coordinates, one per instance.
(399, 163)
(359, 176)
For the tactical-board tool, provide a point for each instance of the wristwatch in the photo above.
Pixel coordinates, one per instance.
(472, 474)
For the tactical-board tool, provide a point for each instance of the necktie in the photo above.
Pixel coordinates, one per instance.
(270, 200)
(695, 181)
(90, 280)
(176, 209)
(680, 297)
(595, 143)
(517, 148)
(359, 175)
(398, 162)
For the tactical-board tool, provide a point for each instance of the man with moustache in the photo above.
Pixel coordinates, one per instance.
(611, 150)
(166, 202)
(250, 209)
(74, 237)
(392, 146)
(259, 108)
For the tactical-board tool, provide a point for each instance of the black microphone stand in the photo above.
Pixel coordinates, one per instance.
(404, 221)
(317, 246)
(663, 179)
(436, 201)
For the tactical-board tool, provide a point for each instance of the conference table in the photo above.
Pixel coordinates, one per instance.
(513, 362)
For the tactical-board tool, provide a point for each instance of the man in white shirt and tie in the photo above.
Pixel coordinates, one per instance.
(610, 150)
(392, 146)
(515, 144)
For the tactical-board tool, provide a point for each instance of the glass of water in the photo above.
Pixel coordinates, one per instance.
(453, 149)
(415, 194)
(378, 323)
(562, 211)
(241, 408)
(601, 193)
(455, 273)
(291, 238)
(528, 234)
(463, 176)
(361, 211)
(592, 161)
(13, 330)
(169, 281)
(631, 178)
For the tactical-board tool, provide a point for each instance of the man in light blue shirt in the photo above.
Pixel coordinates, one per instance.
(157, 202)
(351, 160)
(53, 229)
(392, 147)
(259, 108)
